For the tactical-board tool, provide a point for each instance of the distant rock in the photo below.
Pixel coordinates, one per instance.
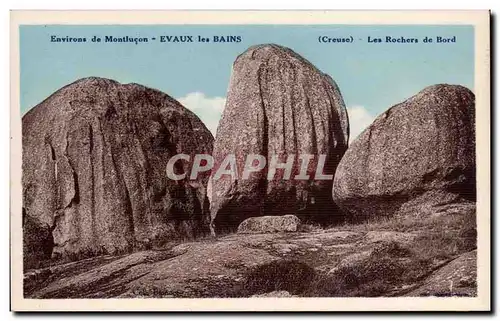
(270, 224)
(94, 169)
(278, 104)
(417, 155)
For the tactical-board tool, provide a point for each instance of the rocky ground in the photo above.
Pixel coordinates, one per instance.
(396, 257)
(95, 155)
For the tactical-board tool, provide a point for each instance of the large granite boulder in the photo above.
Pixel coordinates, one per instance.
(278, 104)
(418, 155)
(94, 169)
(407, 257)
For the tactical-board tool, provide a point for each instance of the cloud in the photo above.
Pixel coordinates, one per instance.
(208, 109)
(359, 120)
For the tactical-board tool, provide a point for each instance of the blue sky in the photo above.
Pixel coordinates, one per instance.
(372, 77)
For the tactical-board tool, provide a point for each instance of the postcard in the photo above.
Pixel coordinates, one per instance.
(250, 161)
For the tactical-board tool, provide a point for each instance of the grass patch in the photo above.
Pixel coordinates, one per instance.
(389, 265)
(464, 222)
(392, 265)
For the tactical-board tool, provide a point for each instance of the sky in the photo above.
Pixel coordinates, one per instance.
(372, 77)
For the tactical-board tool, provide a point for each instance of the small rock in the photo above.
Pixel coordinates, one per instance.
(338, 235)
(343, 247)
(274, 294)
(457, 278)
(95, 155)
(317, 238)
(180, 249)
(285, 248)
(270, 224)
(389, 236)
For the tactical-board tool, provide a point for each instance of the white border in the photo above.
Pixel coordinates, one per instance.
(480, 20)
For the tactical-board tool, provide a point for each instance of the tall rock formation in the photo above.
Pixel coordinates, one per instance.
(417, 155)
(94, 169)
(279, 104)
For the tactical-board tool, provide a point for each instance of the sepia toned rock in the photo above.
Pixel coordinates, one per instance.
(94, 169)
(417, 155)
(457, 278)
(278, 104)
(428, 262)
(37, 241)
(270, 224)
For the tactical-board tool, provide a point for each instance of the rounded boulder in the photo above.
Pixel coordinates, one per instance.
(417, 155)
